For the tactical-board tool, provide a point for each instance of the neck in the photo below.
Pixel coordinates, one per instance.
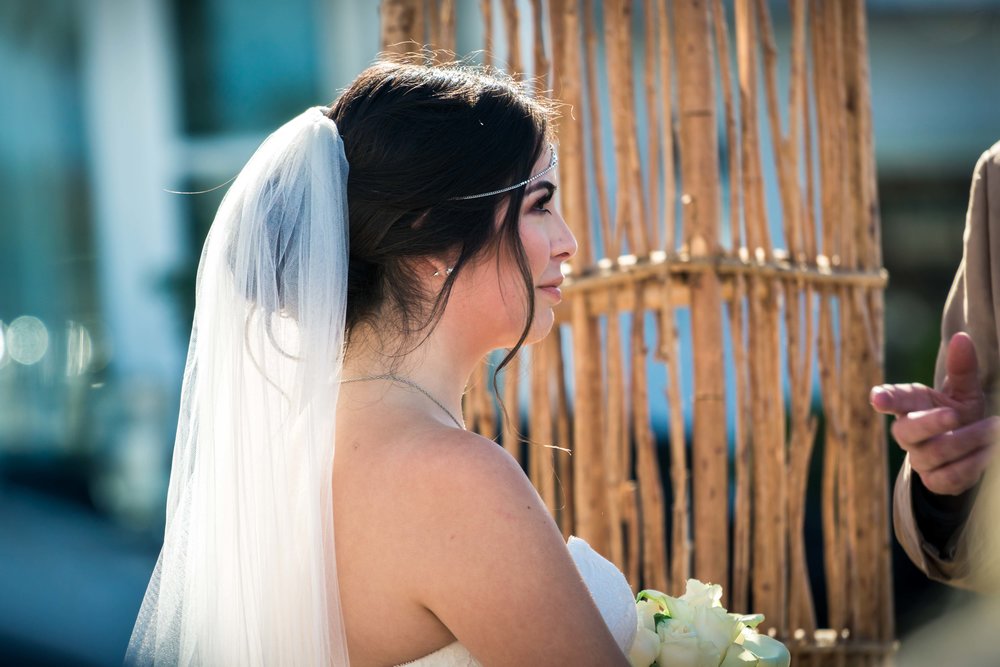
(441, 366)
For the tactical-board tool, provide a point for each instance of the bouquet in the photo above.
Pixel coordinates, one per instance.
(695, 630)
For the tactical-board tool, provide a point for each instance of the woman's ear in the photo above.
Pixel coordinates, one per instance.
(433, 269)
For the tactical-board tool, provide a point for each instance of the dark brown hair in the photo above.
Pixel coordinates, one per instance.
(416, 136)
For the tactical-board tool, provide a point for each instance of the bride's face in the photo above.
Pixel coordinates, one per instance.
(491, 291)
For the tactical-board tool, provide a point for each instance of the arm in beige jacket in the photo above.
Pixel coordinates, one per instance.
(973, 306)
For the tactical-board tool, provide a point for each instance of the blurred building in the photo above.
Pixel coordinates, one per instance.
(111, 107)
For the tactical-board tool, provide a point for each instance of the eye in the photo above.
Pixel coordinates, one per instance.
(540, 204)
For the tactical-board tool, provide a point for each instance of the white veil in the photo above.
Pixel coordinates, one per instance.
(247, 574)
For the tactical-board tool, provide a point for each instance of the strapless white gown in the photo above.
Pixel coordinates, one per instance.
(608, 588)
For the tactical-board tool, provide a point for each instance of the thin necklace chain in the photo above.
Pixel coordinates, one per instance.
(391, 376)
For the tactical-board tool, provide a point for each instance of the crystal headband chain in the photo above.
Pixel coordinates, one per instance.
(553, 161)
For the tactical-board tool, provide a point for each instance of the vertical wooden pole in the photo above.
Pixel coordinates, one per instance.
(616, 436)
(486, 9)
(589, 490)
(652, 123)
(700, 176)
(767, 398)
(667, 136)
(742, 527)
(564, 438)
(540, 67)
(446, 30)
(647, 465)
(511, 26)
(401, 21)
(668, 352)
(630, 208)
(566, 69)
(608, 243)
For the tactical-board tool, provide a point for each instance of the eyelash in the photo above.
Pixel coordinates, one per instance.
(540, 204)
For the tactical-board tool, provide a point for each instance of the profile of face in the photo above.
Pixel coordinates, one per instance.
(489, 296)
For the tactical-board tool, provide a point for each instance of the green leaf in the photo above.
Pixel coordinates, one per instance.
(660, 618)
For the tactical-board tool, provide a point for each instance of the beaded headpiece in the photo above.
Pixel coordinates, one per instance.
(552, 163)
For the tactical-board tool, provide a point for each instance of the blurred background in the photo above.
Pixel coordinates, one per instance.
(108, 105)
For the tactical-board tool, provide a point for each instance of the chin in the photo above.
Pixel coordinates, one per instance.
(541, 327)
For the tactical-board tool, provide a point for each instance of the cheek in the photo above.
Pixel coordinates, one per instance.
(536, 247)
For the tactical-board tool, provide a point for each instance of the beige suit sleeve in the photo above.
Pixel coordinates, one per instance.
(973, 306)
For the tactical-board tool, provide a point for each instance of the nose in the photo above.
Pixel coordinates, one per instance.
(564, 245)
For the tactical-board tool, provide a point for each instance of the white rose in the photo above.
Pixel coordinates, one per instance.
(768, 651)
(698, 594)
(749, 620)
(646, 610)
(715, 626)
(681, 647)
(645, 648)
(679, 609)
(659, 598)
(737, 656)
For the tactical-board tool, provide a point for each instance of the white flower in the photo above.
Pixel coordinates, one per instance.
(768, 651)
(737, 656)
(645, 648)
(714, 625)
(698, 594)
(646, 610)
(749, 620)
(680, 646)
(710, 623)
(695, 630)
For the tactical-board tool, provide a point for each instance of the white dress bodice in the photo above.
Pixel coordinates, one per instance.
(607, 586)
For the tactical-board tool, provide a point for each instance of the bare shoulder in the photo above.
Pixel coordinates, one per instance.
(462, 487)
(494, 567)
(465, 462)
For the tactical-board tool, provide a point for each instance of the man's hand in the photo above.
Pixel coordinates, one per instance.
(946, 433)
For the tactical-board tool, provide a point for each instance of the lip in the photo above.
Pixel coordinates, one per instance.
(552, 289)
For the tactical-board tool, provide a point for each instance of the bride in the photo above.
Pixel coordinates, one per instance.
(366, 259)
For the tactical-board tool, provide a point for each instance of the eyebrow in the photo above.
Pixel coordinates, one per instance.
(549, 185)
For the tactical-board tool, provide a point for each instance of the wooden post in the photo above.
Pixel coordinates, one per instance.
(401, 21)
(700, 177)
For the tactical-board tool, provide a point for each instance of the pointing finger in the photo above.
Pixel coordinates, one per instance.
(899, 399)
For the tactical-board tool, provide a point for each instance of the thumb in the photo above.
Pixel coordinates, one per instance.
(962, 368)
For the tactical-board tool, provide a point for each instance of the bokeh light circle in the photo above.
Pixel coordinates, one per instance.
(27, 340)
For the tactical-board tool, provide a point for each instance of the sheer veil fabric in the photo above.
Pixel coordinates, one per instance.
(247, 574)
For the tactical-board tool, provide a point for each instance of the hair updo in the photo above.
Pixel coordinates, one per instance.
(415, 137)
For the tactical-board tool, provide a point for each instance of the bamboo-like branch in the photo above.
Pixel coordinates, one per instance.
(652, 186)
(597, 131)
(669, 222)
(511, 28)
(564, 440)
(589, 500)
(700, 175)
(401, 21)
(647, 468)
(566, 78)
(668, 353)
(486, 9)
(615, 429)
(446, 32)
(541, 60)
(732, 138)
